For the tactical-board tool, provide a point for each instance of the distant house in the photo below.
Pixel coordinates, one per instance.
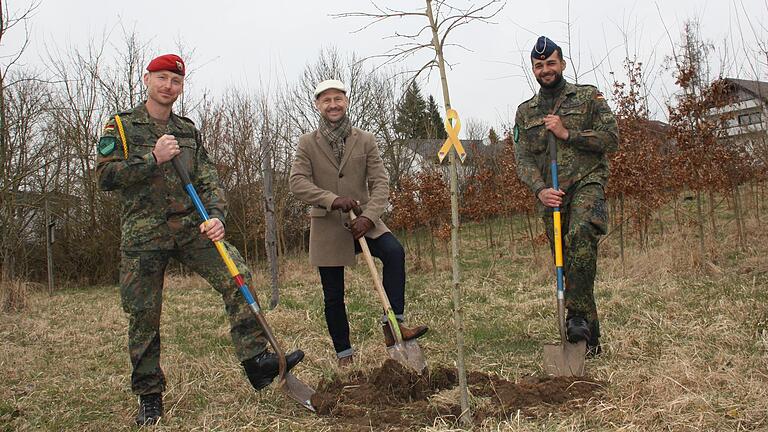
(746, 114)
(425, 151)
(659, 131)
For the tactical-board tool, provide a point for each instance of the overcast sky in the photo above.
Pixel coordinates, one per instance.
(241, 44)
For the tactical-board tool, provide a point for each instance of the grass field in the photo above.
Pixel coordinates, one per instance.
(686, 348)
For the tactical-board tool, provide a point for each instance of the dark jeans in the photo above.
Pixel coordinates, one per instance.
(391, 253)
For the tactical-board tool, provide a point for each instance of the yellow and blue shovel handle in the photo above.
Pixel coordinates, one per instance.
(558, 237)
(233, 271)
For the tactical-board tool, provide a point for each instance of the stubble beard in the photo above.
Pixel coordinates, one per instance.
(553, 84)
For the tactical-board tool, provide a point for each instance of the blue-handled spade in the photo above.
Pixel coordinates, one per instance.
(565, 358)
(287, 382)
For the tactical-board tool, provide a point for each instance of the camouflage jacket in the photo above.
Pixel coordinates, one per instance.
(581, 159)
(156, 212)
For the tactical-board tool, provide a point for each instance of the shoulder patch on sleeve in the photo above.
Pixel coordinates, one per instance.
(516, 133)
(107, 145)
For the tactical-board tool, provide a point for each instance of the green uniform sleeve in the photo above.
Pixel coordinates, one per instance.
(113, 170)
(526, 167)
(604, 135)
(207, 183)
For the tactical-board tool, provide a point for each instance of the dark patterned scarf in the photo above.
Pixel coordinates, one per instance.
(335, 133)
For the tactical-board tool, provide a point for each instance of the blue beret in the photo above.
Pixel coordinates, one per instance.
(544, 48)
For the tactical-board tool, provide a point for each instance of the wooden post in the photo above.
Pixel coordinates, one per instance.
(270, 229)
(466, 415)
(49, 239)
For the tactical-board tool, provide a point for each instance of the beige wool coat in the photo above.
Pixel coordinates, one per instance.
(317, 178)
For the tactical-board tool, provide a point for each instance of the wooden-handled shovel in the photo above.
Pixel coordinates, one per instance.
(407, 352)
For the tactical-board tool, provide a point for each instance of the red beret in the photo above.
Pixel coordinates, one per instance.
(167, 62)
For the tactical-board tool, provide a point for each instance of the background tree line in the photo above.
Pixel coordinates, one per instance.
(50, 121)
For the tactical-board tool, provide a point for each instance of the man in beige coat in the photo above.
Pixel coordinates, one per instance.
(338, 169)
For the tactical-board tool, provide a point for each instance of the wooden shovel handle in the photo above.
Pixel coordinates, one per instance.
(372, 267)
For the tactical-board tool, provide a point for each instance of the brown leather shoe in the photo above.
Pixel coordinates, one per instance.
(408, 333)
(346, 361)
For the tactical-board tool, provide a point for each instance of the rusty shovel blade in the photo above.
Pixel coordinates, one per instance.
(565, 359)
(408, 353)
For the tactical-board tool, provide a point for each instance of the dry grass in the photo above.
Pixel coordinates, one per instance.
(686, 347)
(13, 296)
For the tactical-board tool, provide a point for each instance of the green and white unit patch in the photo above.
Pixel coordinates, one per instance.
(107, 145)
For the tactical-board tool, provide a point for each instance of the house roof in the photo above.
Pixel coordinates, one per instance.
(427, 148)
(758, 89)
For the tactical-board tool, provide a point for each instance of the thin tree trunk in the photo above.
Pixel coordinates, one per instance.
(644, 227)
(530, 236)
(712, 222)
(758, 195)
(281, 240)
(621, 229)
(432, 251)
(661, 225)
(490, 236)
(737, 214)
(466, 415)
(418, 244)
(700, 217)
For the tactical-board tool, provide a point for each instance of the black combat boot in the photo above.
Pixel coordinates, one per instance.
(577, 329)
(593, 343)
(150, 409)
(263, 368)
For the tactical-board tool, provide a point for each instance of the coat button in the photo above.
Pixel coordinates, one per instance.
(341, 175)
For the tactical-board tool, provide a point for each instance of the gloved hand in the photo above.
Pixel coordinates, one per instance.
(360, 226)
(344, 204)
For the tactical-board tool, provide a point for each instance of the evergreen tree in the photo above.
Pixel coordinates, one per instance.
(493, 137)
(412, 120)
(436, 127)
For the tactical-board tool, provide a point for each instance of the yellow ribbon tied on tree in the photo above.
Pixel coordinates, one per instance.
(452, 128)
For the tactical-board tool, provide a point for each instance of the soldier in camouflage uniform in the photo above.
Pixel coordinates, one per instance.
(585, 131)
(159, 222)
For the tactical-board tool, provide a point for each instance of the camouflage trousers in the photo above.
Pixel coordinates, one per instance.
(141, 293)
(584, 219)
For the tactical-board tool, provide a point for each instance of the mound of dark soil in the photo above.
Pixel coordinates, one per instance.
(396, 398)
